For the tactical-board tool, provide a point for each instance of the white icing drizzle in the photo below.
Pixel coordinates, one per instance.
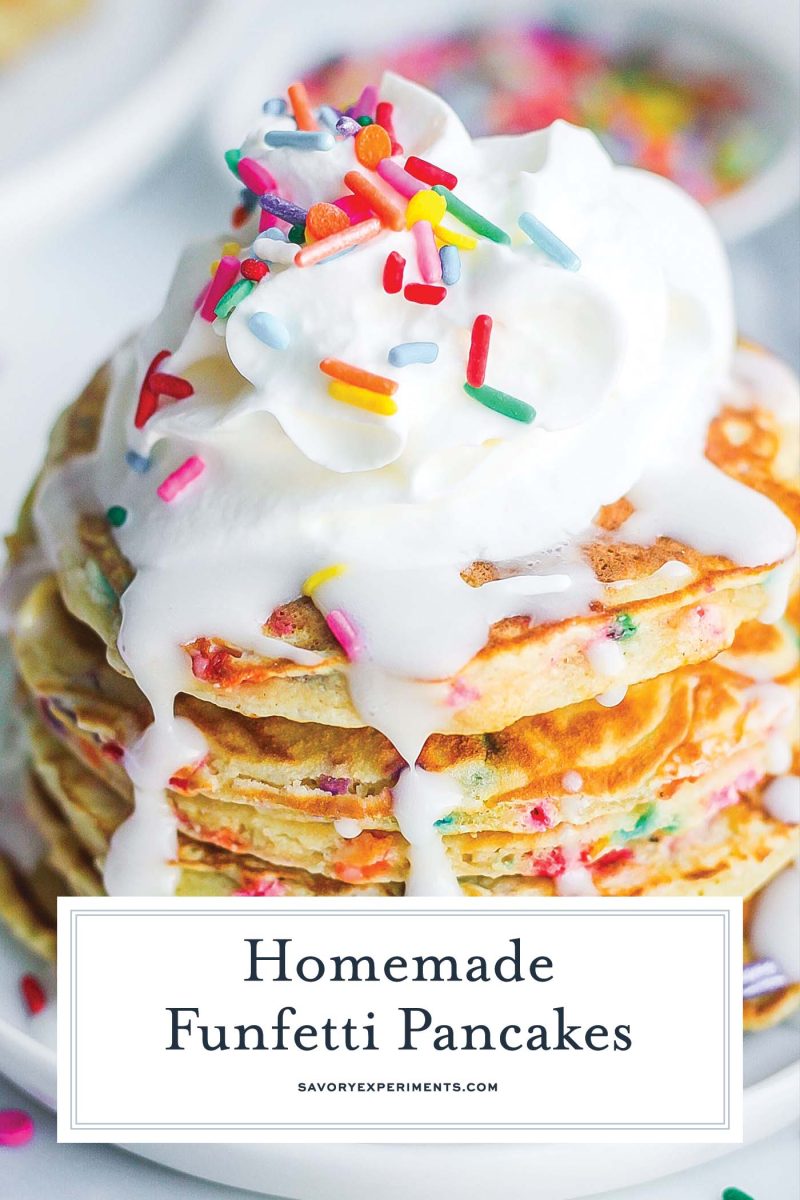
(782, 799)
(779, 754)
(613, 695)
(623, 360)
(348, 828)
(420, 799)
(774, 927)
(576, 881)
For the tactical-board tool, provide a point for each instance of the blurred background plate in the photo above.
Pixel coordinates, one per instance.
(725, 52)
(129, 77)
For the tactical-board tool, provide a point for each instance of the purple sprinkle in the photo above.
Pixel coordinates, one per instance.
(347, 127)
(292, 213)
(366, 103)
(329, 783)
(761, 977)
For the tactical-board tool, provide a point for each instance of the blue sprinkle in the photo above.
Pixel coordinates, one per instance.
(300, 139)
(329, 117)
(275, 234)
(444, 822)
(548, 243)
(451, 264)
(413, 352)
(276, 107)
(137, 462)
(248, 199)
(347, 127)
(270, 330)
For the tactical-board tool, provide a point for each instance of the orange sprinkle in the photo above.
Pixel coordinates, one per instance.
(323, 220)
(301, 106)
(390, 211)
(326, 247)
(372, 144)
(358, 377)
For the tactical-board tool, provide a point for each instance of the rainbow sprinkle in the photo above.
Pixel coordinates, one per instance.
(501, 402)
(300, 139)
(346, 634)
(269, 329)
(180, 478)
(472, 219)
(413, 352)
(546, 241)
(324, 575)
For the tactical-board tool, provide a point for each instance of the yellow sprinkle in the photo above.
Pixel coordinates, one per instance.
(214, 266)
(360, 397)
(322, 576)
(426, 205)
(461, 240)
(231, 248)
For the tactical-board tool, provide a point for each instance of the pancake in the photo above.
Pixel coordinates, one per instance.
(720, 840)
(666, 730)
(659, 615)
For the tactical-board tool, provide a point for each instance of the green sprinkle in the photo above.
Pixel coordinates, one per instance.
(736, 1194)
(501, 402)
(232, 159)
(624, 627)
(473, 220)
(644, 824)
(234, 295)
(365, 120)
(117, 515)
(443, 822)
(98, 583)
(297, 234)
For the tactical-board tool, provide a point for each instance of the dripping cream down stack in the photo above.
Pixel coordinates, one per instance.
(435, 538)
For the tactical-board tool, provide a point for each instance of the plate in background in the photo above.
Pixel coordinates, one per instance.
(733, 36)
(88, 107)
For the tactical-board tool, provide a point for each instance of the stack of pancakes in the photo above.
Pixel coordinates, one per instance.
(658, 794)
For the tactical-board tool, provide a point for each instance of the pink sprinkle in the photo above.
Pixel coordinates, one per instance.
(541, 816)
(345, 633)
(16, 1127)
(365, 104)
(224, 277)
(200, 664)
(399, 179)
(355, 208)
(263, 887)
(256, 177)
(180, 478)
(280, 624)
(428, 261)
(267, 220)
(461, 694)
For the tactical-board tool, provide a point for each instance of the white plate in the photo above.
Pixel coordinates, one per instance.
(733, 36)
(90, 106)
(772, 1100)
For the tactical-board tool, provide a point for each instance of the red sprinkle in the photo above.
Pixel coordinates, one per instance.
(383, 116)
(239, 216)
(424, 293)
(551, 863)
(479, 350)
(16, 1127)
(611, 859)
(33, 994)
(148, 399)
(170, 385)
(393, 270)
(255, 269)
(428, 173)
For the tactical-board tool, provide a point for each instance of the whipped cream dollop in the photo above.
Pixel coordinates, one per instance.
(623, 361)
